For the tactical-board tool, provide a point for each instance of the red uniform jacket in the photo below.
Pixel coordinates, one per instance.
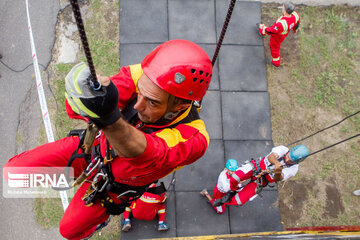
(169, 147)
(282, 27)
(148, 205)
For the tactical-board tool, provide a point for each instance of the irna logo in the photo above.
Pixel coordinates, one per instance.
(36, 180)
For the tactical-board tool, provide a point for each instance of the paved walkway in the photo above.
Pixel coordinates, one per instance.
(20, 116)
(236, 109)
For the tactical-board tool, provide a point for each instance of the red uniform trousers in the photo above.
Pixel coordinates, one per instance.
(217, 195)
(247, 192)
(78, 221)
(244, 195)
(275, 44)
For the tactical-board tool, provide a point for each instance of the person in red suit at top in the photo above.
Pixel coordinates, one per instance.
(290, 20)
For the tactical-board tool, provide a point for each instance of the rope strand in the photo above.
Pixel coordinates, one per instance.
(221, 38)
(334, 144)
(84, 41)
(223, 31)
(324, 129)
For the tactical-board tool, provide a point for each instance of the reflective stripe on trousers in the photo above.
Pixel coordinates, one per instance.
(276, 59)
(237, 198)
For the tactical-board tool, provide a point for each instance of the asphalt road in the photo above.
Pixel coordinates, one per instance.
(19, 106)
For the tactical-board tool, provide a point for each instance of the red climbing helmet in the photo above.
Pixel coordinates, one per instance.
(179, 67)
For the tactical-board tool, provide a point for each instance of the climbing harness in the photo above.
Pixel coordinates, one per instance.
(98, 173)
(259, 175)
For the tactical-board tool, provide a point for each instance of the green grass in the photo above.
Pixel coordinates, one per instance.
(19, 138)
(327, 59)
(104, 49)
(48, 212)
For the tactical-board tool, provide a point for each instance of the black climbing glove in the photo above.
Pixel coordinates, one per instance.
(227, 198)
(99, 105)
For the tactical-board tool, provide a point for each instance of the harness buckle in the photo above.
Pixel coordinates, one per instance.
(86, 173)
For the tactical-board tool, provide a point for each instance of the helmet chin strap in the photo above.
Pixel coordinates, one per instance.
(169, 115)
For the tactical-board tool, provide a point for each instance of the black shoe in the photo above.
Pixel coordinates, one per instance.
(269, 60)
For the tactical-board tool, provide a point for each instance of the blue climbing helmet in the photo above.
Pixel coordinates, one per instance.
(298, 153)
(232, 164)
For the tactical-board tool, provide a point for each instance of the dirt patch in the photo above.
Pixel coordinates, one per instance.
(297, 194)
(334, 205)
(297, 197)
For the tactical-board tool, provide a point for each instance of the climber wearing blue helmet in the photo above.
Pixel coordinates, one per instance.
(298, 154)
(223, 184)
(293, 156)
(231, 165)
(279, 165)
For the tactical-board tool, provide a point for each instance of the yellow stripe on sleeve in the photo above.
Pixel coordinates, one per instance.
(200, 125)
(136, 72)
(172, 136)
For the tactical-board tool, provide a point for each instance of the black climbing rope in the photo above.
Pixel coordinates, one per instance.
(334, 144)
(80, 25)
(324, 129)
(221, 38)
(223, 31)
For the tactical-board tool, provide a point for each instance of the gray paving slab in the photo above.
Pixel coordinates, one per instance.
(242, 68)
(236, 110)
(210, 49)
(259, 215)
(242, 25)
(143, 21)
(192, 20)
(204, 172)
(134, 53)
(246, 116)
(194, 216)
(245, 150)
(210, 113)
